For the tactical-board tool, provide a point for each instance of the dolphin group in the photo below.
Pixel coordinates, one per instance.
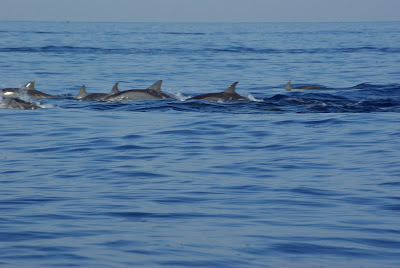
(13, 97)
(18, 98)
(28, 90)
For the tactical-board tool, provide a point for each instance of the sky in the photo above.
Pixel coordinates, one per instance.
(201, 10)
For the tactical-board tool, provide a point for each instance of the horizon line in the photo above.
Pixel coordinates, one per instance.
(200, 22)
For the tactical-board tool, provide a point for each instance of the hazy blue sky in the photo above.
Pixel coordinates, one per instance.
(200, 10)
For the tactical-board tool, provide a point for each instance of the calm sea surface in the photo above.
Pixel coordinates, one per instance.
(301, 178)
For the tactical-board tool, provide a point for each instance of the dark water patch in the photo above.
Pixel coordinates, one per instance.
(16, 134)
(102, 142)
(193, 132)
(389, 184)
(190, 51)
(184, 200)
(392, 207)
(44, 32)
(130, 147)
(61, 32)
(53, 217)
(80, 149)
(315, 191)
(135, 174)
(146, 215)
(143, 216)
(7, 173)
(323, 122)
(48, 249)
(132, 156)
(300, 203)
(69, 50)
(123, 243)
(205, 263)
(94, 50)
(378, 243)
(33, 200)
(46, 149)
(214, 171)
(245, 188)
(47, 257)
(315, 249)
(360, 226)
(47, 73)
(361, 200)
(141, 252)
(183, 33)
(375, 91)
(25, 236)
(132, 137)
(313, 51)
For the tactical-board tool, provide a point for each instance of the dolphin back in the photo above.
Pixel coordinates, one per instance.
(15, 103)
(29, 88)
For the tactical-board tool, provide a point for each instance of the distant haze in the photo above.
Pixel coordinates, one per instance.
(201, 10)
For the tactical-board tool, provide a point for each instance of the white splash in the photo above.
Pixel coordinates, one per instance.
(252, 98)
(179, 96)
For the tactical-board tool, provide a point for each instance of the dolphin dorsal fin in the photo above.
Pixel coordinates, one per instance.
(288, 86)
(82, 92)
(231, 88)
(114, 89)
(156, 86)
(30, 86)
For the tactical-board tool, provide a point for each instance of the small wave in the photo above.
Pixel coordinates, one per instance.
(308, 248)
(183, 33)
(189, 51)
(251, 50)
(46, 106)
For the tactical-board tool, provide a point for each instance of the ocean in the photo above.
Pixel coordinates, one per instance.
(300, 178)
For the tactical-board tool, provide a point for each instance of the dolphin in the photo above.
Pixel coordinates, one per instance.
(10, 92)
(152, 93)
(289, 86)
(228, 94)
(33, 93)
(83, 95)
(15, 103)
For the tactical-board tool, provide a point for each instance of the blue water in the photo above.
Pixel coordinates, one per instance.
(287, 179)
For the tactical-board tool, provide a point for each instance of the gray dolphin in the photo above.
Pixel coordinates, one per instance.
(11, 92)
(83, 95)
(289, 86)
(228, 94)
(33, 93)
(15, 103)
(152, 93)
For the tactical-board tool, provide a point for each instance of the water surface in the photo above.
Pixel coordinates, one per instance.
(286, 179)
